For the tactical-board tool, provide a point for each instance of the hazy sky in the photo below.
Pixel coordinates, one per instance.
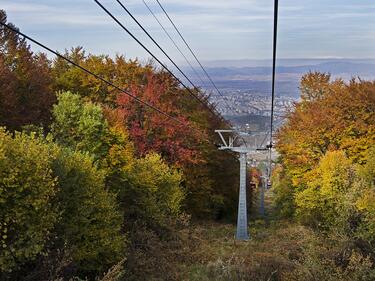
(216, 29)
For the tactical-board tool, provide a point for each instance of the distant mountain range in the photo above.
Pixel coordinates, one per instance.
(282, 62)
(335, 68)
(255, 75)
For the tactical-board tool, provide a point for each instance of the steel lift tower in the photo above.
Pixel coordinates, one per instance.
(229, 144)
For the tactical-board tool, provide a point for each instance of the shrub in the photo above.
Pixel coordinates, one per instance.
(319, 263)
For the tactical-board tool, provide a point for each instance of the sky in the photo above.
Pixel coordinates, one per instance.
(215, 29)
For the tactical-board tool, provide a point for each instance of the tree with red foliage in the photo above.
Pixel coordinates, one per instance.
(151, 131)
(26, 96)
(210, 176)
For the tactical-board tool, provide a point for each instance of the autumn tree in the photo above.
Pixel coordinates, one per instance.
(321, 202)
(118, 70)
(26, 96)
(189, 143)
(326, 157)
(332, 115)
(152, 132)
(365, 202)
(147, 188)
(210, 176)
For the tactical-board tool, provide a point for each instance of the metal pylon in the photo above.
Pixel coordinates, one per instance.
(242, 226)
(242, 233)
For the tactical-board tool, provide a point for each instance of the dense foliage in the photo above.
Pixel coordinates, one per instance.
(27, 189)
(96, 186)
(26, 94)
(89, 231)
(87, 173)
(332, 115)
(189, 145)
(53, 201)
(326, 173)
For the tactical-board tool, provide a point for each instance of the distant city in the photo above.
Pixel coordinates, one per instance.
(245, 88)
(246, 102)
(245, 85)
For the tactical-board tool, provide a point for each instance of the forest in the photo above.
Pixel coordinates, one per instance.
(97, 186)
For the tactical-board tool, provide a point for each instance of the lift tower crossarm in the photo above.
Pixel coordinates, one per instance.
(229, 143)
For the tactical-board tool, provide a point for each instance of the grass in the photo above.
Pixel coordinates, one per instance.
(277, 251)
(273, 250)
(269, 253)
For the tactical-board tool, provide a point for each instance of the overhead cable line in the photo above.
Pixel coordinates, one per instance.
(191, 51)
(154, 41)
(275, 23)
(151, 54)
(91, 73)
(174, 42)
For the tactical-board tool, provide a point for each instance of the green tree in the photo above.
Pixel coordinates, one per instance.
(156, 189)
(27, 191)
(79, 125)
(147, 188)
(55, 200)
(90, 225)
